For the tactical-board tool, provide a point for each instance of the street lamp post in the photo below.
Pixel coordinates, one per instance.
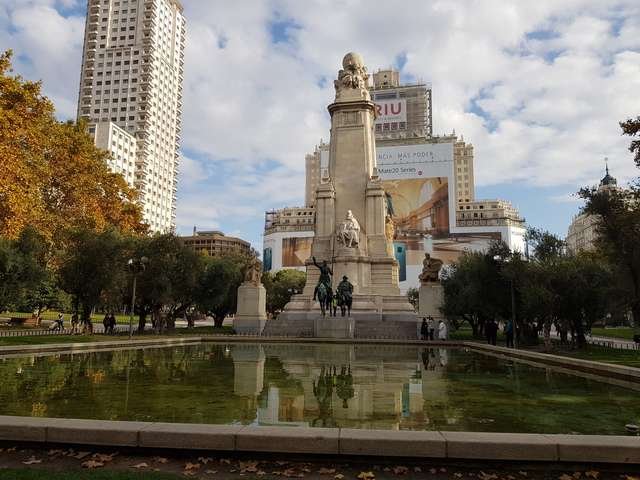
(502, 261)
(136, 266)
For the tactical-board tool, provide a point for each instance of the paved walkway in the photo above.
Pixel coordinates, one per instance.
(609, 342)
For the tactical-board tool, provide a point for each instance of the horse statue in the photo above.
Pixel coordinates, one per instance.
(325, 297)
(344, 293)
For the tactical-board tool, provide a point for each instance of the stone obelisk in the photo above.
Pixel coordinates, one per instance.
(350, 230)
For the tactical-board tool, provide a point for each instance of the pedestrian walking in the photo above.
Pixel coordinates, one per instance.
(443, 332)
(424, 329)
(508, 332)
(432, 328)
(491, 332)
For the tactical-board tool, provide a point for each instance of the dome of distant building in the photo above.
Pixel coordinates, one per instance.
(608, 180)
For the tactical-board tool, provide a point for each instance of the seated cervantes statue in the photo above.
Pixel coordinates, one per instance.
(348, 232)
(430, 269)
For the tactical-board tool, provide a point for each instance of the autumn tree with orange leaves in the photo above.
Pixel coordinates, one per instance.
(52, 177)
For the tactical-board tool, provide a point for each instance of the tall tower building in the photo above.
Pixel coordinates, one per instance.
(131, 95)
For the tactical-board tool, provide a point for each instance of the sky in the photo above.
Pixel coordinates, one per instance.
(537, 87)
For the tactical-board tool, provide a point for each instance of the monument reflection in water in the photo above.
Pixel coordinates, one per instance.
(381, 387)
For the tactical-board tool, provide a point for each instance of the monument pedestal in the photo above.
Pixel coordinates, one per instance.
(334, 327)
(431, 297)
(251, 315)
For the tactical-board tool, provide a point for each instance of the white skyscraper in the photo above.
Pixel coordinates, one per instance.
(131, 94)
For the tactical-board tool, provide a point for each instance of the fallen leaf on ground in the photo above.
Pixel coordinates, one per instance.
(327, 471)
(487, 476)
(592, 474)
(366, 476)
(140, 465)
(160, 460)
(92, 464)
(400, 470)
(577, 475)
(192, 466)
(338, 476)
(443, 470)
(564, 476)
(524, 474)
(248, 467)
(457, 475)
(417, 469)
(32, 461)
(211, 472)
(261, 473)
(225, 461)
(81, 455)
(51, 453)
(281, 463)
(433, 471)
(629, 477)
(102, 457)
(205, 460)
(11, 450)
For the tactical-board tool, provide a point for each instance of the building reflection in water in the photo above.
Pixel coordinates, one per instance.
(342, 386)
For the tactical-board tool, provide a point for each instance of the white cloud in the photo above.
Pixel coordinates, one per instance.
(537, 87)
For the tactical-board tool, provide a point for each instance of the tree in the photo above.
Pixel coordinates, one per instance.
(545, 244)
(52, 176)
(631, 127)
(618, 228)
(24, 278)
(217, 290)
(281, 287)
(93, 269)
(413, 295)
(169, 280)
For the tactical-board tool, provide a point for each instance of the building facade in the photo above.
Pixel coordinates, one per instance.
(583, 231)
(131, 82)
(288, 234)
(215, 243)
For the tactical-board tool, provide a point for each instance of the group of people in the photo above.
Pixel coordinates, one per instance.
(428, 329)
(84, 327)
(109, 323)
(491, 332)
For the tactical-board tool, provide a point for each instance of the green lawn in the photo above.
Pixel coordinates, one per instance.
(49, 339)
(36, 474)
(618, 332)
(51, 315)
(630, 358)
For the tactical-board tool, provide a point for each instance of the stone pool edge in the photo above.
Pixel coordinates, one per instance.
(621, 372)
(324, 441)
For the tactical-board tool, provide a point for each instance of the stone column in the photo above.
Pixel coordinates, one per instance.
(251, 315)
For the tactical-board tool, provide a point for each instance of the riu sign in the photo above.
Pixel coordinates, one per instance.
(391, 111)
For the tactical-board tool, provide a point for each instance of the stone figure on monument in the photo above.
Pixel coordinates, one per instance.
(345, 295)
(353, 74)
(325, 276)
(253, 274)
(349, 231)
(430, 269)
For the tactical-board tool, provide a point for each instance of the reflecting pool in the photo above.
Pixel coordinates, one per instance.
(362, 386)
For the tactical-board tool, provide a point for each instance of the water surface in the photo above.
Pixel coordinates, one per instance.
(382, 387)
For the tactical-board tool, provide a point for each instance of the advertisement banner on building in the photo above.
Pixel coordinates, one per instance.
(295, 251)
(391, 111)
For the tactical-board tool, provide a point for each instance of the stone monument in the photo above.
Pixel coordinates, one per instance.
(352, 231)
(431, 294)
(251, 314)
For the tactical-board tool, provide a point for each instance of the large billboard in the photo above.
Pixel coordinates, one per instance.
(295, 251)
(391, 111)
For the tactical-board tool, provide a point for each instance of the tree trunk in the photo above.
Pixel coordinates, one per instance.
(217, 321)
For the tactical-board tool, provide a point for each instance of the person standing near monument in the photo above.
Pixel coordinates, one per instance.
(442, 331)
(424, 329)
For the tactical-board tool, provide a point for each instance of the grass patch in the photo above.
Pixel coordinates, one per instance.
(595, 353)
(36, 474)
(618, 332)
(51, 339)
